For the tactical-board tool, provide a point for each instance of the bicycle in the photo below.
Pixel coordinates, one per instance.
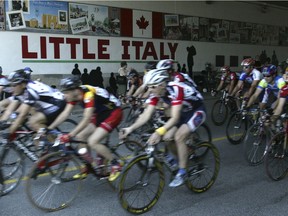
(51, 183)
(221, 108)
(258, 137)
(276, 160)
(14, 151)
(143, 179)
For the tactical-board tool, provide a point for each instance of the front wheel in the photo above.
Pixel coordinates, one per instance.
(11, 169)
(276, 160)
(236, 128)
(219, 112)
(50, 185)
(141, 184)
(255, 144)
(202, 167)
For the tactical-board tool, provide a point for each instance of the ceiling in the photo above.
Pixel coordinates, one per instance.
(277, 4)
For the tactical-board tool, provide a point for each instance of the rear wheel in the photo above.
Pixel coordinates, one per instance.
(219, 112)
(141, 184)
(276, 160)
(50, 185)
(11, 169)
(202, 167)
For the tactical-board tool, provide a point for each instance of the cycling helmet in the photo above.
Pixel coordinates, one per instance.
(248, 62)
(225, 68)
(70, 83)
(155, 77)
(28, 71)
(18, 76)
(133, 73)
(269, 70)
(166, 64)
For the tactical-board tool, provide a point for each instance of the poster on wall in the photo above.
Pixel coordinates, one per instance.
(283, 36)
(102, 20)
(189, 27)
(203, 29)
(172, 29)
(2, 16)
(15, 20)
(42, 16)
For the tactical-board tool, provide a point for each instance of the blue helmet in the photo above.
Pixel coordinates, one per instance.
(269, 70)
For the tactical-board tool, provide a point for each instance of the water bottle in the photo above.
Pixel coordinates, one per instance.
(12, 117)
(85, 155)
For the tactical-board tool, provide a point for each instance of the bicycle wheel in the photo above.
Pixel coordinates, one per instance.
(141, 186)
(50, 185)
(236, 128)
(11, 168)
(219, 112)
(67, 126)
(255, 144)
(202, 167)
(276, 160)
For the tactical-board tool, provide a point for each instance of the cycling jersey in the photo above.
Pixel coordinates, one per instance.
(228, 77)
(98, 98)
(249, 78)
(275, 87)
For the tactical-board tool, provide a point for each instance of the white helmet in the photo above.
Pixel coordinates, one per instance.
(166, 64)
(155, 77)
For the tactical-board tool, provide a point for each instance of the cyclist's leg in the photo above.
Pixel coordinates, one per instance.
(190, 124)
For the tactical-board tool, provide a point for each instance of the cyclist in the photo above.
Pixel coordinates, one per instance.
(27, 95)
(187, 114)
(248, 80)
(134, 82)
(271, 84)
(102, 113)
(228, 78)
(142, 90)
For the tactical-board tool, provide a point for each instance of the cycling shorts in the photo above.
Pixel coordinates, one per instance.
(109, 119)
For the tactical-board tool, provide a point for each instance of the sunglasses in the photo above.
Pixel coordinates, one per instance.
(267, 75)
(246, 67)
(153, 87)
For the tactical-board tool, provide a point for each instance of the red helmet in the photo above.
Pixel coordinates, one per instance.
(248, 62)
(225, 68)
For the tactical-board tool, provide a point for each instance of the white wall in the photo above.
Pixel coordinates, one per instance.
(206, 51)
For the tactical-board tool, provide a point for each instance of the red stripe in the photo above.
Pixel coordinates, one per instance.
(157, 22)
(126, 22)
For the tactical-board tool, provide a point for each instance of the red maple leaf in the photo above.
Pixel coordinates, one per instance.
(142, 23)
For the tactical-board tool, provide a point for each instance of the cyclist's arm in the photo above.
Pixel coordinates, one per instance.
(87, 115)
(252, 88)
(62, 117)
(24, 109)
(237, 87)
(140, 90)
(13, 105)
(220, 86)
(254, 96)
(4, 104)
(231, 86)
(279, 108)
(144, 117)
(175, 116)
(131, 90)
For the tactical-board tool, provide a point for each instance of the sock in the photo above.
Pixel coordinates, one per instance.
(181, 171)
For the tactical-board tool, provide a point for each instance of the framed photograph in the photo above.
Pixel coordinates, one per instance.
(62, 17)
(79, 25)
(171, 20)
(23, 5)
(16, 20)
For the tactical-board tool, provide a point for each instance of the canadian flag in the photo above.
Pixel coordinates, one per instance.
(143, 24)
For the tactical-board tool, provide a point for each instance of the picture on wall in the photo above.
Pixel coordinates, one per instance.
(2, 15)
(171, 20)
(15, 20)
(15, 5)
(79, 25)
(101, 20)
(189, 27)
(44, 16)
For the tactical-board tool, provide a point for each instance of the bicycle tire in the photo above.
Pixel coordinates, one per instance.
(236, 128)
(200, 175)
(11, 168)
(51, 173)
(276, 161)
(136, 188)
(255, 144)
(219, 112)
